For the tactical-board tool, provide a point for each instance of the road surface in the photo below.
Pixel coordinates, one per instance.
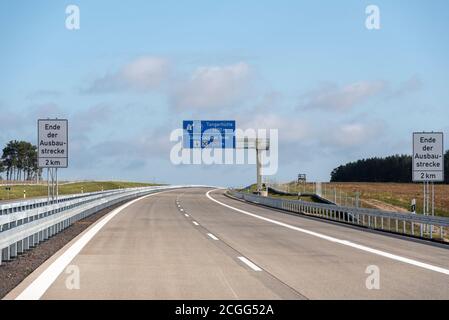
(199, 244)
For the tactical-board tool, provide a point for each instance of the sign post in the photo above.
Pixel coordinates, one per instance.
(428, 166)
(8, 189)
(259, 144)
(52, 151)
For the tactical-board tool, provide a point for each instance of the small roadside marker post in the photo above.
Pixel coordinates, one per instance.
(413, 211)
(413, 206)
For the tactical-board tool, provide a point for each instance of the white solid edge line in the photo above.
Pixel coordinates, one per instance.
(212, 236)
(41, 284)
(196, 223)
(339, 241)
(250, 264)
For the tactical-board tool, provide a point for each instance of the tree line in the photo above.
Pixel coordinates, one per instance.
(397, 168)
(19, 161)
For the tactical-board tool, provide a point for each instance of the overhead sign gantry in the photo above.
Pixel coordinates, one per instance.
(221, 134)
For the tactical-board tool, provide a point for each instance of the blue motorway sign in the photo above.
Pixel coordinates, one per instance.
(208, 134)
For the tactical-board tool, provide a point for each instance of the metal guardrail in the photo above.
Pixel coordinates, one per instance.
(23, 225)
(426, 227)
(21, 205)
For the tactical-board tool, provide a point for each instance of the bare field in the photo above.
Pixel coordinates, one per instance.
(387, 196)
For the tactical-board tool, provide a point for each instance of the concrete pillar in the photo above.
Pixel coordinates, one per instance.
(6, 254)
(20, 247)
(26, 243)
(13, 250)
(258, 169)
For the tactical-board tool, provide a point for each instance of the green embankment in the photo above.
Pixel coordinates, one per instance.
(33, 191)
(253, 188)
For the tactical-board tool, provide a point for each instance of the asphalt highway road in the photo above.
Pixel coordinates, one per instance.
(200, 244)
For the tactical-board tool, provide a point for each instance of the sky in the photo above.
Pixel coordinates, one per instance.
(335, 90)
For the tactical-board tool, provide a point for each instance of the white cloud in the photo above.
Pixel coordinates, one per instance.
(85, 120)
(331, 97)
(268, 101)
(146, 73)
(302, 138)
(351, 135)
(45, 110)
(290, 129)
(413, 84)
(335, 98)
(213, 87)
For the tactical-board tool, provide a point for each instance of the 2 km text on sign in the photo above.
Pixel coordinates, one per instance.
(428, 156)
(52, 143)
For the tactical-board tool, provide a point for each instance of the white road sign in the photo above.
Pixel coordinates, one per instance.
(52, 143)
(428, 156)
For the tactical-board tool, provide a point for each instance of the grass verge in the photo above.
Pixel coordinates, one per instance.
(33, 191)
